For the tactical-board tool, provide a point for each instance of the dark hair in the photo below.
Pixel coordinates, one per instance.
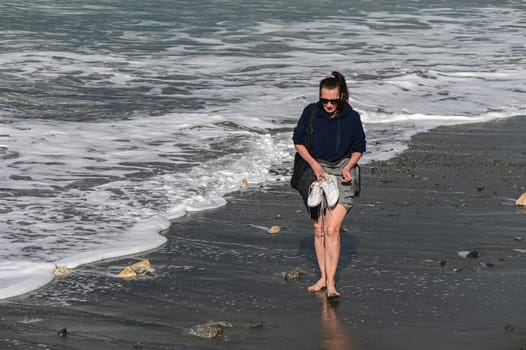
(336, 80)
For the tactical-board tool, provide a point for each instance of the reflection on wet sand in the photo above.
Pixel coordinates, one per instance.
(334, 335)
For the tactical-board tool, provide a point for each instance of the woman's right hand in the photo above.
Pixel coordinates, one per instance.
(316, 167)
(318, 170)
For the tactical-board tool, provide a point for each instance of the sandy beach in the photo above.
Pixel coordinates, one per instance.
(403, 280)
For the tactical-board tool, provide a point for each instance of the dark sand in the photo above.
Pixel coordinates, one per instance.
(452, 190)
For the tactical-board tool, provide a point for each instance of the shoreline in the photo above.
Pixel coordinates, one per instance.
(400, 273)
(102, 255)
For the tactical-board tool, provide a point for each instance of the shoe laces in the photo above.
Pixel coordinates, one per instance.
(324, 207)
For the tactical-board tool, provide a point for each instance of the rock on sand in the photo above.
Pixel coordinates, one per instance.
(521, 202)
(141, 268)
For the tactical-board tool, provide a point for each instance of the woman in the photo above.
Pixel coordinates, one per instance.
(337, 142)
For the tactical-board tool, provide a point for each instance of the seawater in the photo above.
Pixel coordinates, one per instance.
(119, 116)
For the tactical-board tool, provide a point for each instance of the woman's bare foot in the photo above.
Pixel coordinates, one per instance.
(332, 292)
(320, 285)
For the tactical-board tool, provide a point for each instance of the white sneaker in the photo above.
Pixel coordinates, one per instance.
(330, 189)
(315, 195)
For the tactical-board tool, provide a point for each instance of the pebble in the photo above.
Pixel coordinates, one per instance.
(469, 254)
(294, 274)
(274, 230)
(63, 333)
(244, 184)
(509, 328)
(61, 271)
(210, 329)
(143, 267)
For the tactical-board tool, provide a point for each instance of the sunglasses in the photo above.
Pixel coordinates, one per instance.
(326, 101)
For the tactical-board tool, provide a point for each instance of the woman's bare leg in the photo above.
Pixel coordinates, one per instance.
(332, 225)
(319, 248)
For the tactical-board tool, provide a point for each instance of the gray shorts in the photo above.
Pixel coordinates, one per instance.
(346, 197)
(346, 194)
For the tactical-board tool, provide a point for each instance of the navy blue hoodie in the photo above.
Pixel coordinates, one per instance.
(332, 138)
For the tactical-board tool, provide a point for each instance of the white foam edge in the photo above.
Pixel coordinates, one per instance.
(138, 239)
(21, 277)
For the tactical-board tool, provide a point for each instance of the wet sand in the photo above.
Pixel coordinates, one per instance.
(403, 283)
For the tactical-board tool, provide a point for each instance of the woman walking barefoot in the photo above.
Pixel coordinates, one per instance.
(337, 142)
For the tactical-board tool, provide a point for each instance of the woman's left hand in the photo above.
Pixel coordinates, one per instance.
(346, 175)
